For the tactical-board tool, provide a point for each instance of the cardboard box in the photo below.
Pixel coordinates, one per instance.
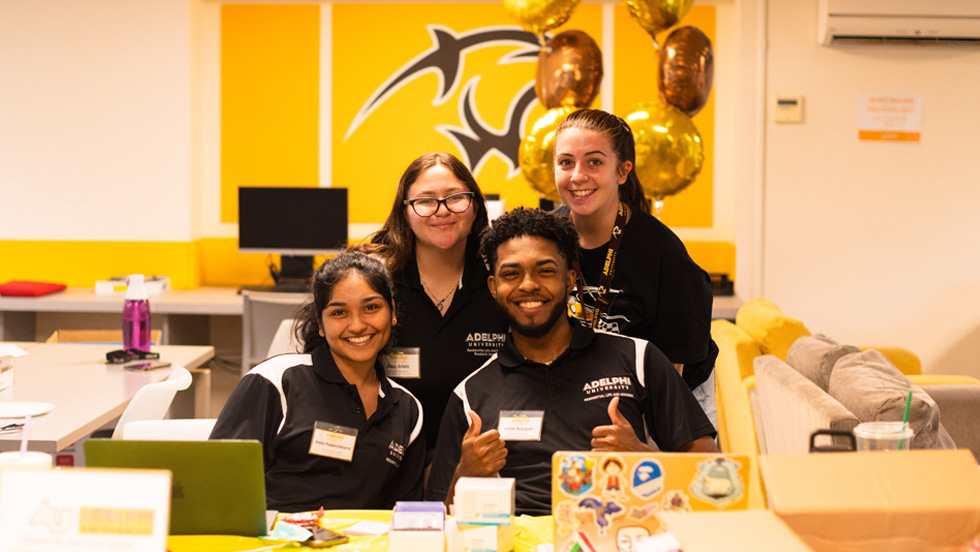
(868, 501)
(94, 336)
(735, 531)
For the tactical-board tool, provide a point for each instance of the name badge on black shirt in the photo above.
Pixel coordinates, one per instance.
(403, 362)
(333, 441)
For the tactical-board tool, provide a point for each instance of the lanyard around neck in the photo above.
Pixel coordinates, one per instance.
(608, 267)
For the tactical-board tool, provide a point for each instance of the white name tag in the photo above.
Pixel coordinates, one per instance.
(403, 362)
(333, 441)
(520, 425)
(90, 510)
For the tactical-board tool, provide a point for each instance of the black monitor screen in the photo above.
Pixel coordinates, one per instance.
(292, 221)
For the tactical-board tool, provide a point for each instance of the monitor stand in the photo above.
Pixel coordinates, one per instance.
(294, 276)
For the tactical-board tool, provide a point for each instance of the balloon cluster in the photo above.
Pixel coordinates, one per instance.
(669, 151)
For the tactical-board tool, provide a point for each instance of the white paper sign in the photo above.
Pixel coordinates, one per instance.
(84, 510)
(889, 117)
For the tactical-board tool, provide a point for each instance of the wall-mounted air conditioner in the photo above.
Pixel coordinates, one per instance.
(842, 21)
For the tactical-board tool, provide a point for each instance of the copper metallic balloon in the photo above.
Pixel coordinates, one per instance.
(686, 68)
(540, 16)
(658, 15)
(537, 155)
(569, 71)
(669, 152)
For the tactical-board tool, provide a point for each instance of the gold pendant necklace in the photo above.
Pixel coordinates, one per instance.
(439, 302)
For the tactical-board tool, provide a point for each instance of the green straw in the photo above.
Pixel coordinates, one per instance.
(905, 420)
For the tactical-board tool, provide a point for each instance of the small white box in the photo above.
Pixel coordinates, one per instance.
(417, 526)
(484, 500)
(476, 537)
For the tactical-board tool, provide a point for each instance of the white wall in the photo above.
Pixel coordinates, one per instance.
(95, 136)
(871, 243)
(874, 242)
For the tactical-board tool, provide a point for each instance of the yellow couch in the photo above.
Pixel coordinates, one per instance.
(760, 328)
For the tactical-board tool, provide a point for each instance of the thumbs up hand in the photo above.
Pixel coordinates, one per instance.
(483, 454)
(618, 436)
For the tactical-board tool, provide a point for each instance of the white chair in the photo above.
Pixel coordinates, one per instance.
(283, 341)
(152, 400)
(262, 315)
(186, 429)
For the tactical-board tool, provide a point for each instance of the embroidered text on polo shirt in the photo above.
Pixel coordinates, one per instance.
(607, 387)
(396, 452)
(484, 343)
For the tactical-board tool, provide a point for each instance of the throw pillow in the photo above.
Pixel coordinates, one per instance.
(874, 390)
(814, 356)
(773, 330)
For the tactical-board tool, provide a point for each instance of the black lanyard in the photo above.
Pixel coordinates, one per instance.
(608, 268)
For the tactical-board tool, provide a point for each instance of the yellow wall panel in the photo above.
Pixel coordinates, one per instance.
(82, 263)
(270, 99)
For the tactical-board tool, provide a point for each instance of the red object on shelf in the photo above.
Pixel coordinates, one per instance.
(17, 288)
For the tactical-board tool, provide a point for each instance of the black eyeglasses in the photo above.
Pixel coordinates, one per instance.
(427, 206)
(122, 356)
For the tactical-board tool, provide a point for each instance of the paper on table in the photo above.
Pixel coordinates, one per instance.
(9, 349)
(364, 528)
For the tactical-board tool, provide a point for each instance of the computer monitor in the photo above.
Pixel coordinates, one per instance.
(296, 223)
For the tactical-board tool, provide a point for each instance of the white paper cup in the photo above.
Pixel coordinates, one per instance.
(14, 460)
(871, 436)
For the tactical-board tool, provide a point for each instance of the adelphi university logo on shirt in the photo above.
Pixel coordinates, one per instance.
(484, 344)
(396, 452)
(619, 386)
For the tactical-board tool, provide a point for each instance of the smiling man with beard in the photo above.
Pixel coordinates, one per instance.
(555, 384)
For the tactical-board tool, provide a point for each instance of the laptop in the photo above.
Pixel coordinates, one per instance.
(218, 486)
(610, 500)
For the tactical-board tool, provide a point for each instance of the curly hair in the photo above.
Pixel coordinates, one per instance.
(395, 241)
(529, 222)
(330, 273)
(621, 136)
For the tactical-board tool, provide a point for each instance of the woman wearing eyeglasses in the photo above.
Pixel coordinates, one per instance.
(449, 324)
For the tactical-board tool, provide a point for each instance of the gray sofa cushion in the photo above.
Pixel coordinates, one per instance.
(872, 388)
(792, 407)
(814, 356)
(960, 408)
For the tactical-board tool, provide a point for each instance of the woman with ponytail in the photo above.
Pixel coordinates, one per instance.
(635, 275)
(335, 431)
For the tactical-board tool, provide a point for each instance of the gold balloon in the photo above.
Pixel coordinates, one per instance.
(658, 15)
(669, 152)
(569, 71)
(537, 155)
(540, 16)
(686, 69)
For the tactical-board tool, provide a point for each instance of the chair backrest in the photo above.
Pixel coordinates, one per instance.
(262, 314)
(188, 429)
(282, 341)
(152, 400)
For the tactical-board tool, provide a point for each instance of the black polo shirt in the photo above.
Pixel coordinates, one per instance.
(451, 346)
(574, 392)
(279, 401)
(658, 293)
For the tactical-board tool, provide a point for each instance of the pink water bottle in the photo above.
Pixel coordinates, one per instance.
(136, 315)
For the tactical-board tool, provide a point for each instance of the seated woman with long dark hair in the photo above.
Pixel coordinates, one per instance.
(335, 431)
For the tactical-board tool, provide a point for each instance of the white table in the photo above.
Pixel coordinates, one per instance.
(86, 392)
